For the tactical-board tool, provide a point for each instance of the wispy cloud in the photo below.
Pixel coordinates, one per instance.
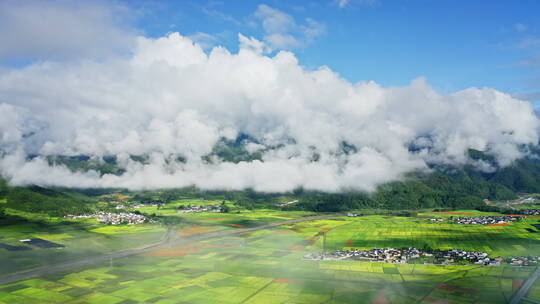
(210, 10)
(345, 3)
(530, 62)
(520, 27)
(283, 32)
(529, 42)
(342, 3)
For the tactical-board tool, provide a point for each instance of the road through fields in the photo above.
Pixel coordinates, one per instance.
(518, 297)
(9, 278)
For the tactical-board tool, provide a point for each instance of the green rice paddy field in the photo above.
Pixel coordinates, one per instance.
(266, 266)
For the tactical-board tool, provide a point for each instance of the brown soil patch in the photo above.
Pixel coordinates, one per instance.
(297, 228)
(325, 229)
(499, 224)
(516, 284)
(282, 232)
(453, 288)
(348, 243)
(380, 299)
(196, 230)
(288, 281)
(297, 247)
(237, 225)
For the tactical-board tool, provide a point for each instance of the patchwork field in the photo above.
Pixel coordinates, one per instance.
(83, 238)
(387, 231)
(266, 266)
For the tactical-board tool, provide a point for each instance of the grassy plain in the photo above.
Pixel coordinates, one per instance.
(267, 266)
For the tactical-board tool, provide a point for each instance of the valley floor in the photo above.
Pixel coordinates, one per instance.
(267, 266)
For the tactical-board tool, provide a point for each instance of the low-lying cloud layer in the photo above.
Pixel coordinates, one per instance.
(171, 99)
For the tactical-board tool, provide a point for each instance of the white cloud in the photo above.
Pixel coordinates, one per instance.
(342, 3)
(43, 30)
(253, 44)
(172, 99)
(282, 31)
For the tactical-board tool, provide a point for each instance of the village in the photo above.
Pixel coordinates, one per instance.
(196, 209)
(529, 211)
(523, 261)
(407, 255)
(136, 206)
(113, 218)
(487, 220)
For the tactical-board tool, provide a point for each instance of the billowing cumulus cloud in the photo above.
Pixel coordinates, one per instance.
(172, 100)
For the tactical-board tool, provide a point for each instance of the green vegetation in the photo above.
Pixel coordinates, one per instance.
(82, 238)
(267, 267)
(40, 200)
(375, 231)
(87, 237)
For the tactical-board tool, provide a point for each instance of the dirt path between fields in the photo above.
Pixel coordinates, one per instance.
(168, 242)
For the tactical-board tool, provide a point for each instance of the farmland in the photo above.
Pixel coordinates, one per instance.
(266, 266)
(85, 238)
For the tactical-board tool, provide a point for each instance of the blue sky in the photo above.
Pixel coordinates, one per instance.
(454, 44)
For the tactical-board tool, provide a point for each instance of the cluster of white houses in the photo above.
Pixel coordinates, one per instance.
(113, 218)
(405, 255)
(386, 255)
(487, 220)
(194, 209)
(135, 206)
(436, 220)
(529, 211)
(524, 261)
